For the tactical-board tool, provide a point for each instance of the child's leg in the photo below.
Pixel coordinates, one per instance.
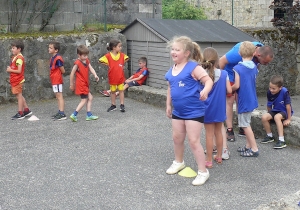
(60, 101)
(229, 110)
(193, 129)
(224, 136)
(125, 86)
(21, 102)
(81, 104)
(179, 133)
(250, 138)
(265, 119)
(219, 138)
(209, 133)
(89, 102)
(278, 120)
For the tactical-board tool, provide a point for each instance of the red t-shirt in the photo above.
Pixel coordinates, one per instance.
(15, 78)
(55, 73)
(138, 73)
(82, 77)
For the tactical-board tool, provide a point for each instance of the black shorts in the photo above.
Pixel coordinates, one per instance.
(274, 113)
(133, 83)
(198, 119)
(84, 96)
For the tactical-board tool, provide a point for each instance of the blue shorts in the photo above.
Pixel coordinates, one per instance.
(133, 83)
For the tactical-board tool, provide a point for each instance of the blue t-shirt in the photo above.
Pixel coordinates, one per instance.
(185, 93)
(278, 101)
(233, 57)
(58, 63)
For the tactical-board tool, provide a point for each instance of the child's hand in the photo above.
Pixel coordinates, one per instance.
(97, 78)
(203, 95)
(72, 87)
(8, 69)
(286, 122)
(169, 112)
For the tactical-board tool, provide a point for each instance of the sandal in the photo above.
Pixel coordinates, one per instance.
(243, 149)
(218, 159)
(250, 153)
(208, 164)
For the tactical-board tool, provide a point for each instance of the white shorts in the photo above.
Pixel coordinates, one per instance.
(244, 119)
(57, 88)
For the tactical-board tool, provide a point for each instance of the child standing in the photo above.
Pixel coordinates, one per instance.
(81, 69)
(56, 71)
(115, 60)
(186, 93)
(17, 79)
(279, 110)
(245, 84)
(215, 112)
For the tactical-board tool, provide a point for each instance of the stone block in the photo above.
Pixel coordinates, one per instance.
(65, 27)
(42, 67)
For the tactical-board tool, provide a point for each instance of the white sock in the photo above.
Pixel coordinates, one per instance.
(281, 138)
(270, 134)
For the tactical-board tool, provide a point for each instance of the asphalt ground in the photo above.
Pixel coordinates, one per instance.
(119, 162)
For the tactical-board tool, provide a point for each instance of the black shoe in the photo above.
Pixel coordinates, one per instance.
(242, 132)
(53, 116)
(230, 135)
(280, 145)
(267, 139)
(112, 108)
(18, 116)
(59, 116)
(122, 108)
(26, 114)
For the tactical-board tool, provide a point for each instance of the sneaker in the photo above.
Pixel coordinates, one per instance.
(112, 108)
(53, 116)
(225, 154)
(18, 116)
(230, 135)
(92, 117)
(122, 108)
(26, 114)
(73, 118)
(250, 153)
(267, 139)
(105, 93)
(201, 178)
(175, 167)
(242, 132)
(280, 145)
(59, 116)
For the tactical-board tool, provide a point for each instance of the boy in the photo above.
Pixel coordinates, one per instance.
(137, 79)
(279, 110)
(245, 85)
(56, 71)
(81, 68)
(16, 70)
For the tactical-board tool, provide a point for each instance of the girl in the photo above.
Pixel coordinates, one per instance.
(115, 60)
(186, 95)
(215, 112)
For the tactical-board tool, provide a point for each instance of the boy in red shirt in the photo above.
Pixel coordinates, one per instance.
(56, 71)
(16, 70)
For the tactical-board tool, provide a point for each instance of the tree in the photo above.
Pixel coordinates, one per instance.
(180, 9)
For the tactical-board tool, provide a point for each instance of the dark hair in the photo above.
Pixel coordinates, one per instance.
(143, 59)
(210, 61)
(82, 50)
(56, 45)
(277, 80)
(113, 43)
(18, 44)
(266, 51)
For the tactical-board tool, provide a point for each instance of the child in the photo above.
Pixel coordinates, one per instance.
(115, 60)
(279, 110)
(215, 112)
(81, 68)
(56, 71)
(16, 70)
(185, 94)
(245, 84)
(137, 79)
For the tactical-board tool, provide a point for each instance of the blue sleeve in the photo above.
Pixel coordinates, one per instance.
(59, 63)
(145, 73)
(287, 98)
(269, 103)
(233, 56)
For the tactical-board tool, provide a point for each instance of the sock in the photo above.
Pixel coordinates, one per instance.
(20, 112)
(89, 114)
(61, 112)
(281, 138)
(270, 134)
(26, 110)
(75, 113)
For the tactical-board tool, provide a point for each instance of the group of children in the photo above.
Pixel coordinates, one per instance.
(79, 77)
(197, 94)
(197, 90)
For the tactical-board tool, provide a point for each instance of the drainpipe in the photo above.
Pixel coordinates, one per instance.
(231, 12)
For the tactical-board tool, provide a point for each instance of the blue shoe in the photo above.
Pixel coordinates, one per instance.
(73, 118)
(92, 117)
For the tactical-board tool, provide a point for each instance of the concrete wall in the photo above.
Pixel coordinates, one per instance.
(37, 85)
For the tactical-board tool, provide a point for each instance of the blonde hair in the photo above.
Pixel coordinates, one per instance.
(188, 45)
(210, 61)
(247, 49)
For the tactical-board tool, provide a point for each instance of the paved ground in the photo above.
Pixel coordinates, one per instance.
(119, 162)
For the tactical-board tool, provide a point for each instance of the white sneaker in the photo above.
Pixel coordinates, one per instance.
(201, 178)
(175, 167)
(225, 154)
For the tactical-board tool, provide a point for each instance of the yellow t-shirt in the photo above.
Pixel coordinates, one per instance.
(104, 60)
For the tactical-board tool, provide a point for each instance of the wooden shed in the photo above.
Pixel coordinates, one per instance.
(149, 38)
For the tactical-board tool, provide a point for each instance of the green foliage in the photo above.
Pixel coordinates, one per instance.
(181, 9)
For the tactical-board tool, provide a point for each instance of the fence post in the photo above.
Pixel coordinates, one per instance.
(105, 18)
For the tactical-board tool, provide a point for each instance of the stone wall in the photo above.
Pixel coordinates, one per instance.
(37, 85)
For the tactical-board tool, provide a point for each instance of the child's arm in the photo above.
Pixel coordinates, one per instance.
(18, 71)
(130, 79)
(74, 69)
(228, 87)
(93, 72)
(200, 74)
(168, 103)
(236, 81)
(289, 115)
(62, 69)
